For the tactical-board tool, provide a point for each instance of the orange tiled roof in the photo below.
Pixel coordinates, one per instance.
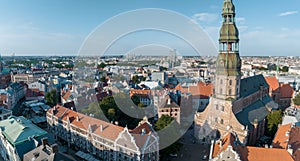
(248, 153)
(110, 131)
(227, 140)
(181, 89)
(273, 83)
(286, 91)
(288, 135)
(141, 139)
(67, 95)
(264, 154)
(139, 91)
(202, 89)
(280, 139)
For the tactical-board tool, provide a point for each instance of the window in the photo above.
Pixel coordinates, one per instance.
(222, 108)
(221, 91)
(216, 120)
(221, 81)
(222, 121)
(230, 82)
(217, 108)
(229, 92)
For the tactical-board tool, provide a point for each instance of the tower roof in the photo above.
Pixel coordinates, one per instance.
(228, 7)
(229, 31)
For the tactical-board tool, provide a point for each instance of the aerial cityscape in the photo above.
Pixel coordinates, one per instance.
(149, 82)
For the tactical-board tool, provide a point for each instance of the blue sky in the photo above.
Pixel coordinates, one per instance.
(59, 27)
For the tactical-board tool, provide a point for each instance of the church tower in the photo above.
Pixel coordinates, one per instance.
(228, 72)
(219, 118)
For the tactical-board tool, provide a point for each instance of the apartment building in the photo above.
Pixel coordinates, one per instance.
(104, 140)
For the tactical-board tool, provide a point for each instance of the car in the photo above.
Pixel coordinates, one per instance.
(204, 157)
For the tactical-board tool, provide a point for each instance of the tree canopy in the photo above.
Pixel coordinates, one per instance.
(273, 119)
(162, 123)
(296, 100)
(51, 98)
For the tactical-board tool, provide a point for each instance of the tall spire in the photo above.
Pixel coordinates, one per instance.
(228, 72)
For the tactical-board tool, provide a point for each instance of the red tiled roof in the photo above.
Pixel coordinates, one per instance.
(181, 89)
(273, 83)
(286, 91)
(110, 131)
(264, 154)
(202, 89)
(140, 92)
(248, 153)
(281, 137)
(66, 95)
(223, 144)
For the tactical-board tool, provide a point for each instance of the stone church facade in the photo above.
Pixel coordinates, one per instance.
(238, 105)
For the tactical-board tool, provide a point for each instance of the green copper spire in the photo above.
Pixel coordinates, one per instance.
(229, 62)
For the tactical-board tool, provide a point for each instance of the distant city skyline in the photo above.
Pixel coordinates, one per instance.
(33, 27)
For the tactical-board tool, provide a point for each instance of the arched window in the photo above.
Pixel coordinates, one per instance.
(217, 108)
(229, 92)
(230, 82)
(222, 108)
(221, 91)
(222, 121)
(221, 81)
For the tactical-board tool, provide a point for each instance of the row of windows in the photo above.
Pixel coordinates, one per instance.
(217, 120)
(230, 82)
(222, 108)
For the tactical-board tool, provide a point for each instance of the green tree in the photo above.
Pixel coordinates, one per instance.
(51, 98)
(94, 109)
(103, 79)
(102, 65)
(135, 79)
(135, 99)
(273, 120)
(163, 122)
(285, 69)
(111, 114)
(296, 100)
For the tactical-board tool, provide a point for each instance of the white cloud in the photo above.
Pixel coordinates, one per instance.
(288, 13)
(240, 20)
(205, 17)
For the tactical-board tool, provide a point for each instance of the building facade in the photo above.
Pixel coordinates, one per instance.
(104, 140)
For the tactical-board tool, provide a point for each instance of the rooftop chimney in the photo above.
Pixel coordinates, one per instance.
(54, 148)
(101, 128)
(143, 131)
(77, 118)
(44, 142)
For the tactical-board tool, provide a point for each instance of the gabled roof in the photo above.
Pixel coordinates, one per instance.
(264, 154)
(110, 131)
(248, 153)
(202, 89)
(286, 91)
(288, 136)
(222, 144)
(282, 136)
(251, 85)
(256, 111)
(273, 83)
